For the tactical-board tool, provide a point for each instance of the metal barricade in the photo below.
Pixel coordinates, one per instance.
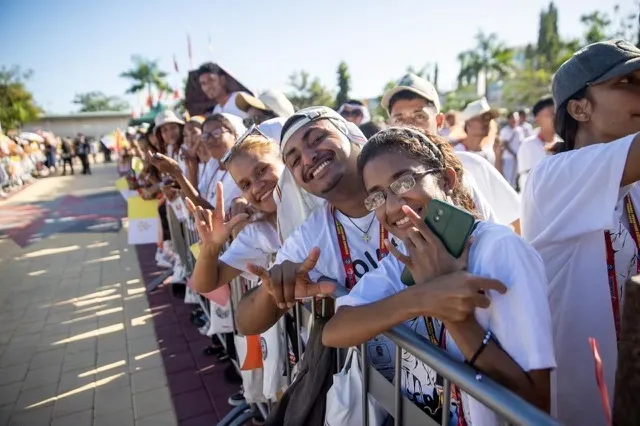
(512, 408)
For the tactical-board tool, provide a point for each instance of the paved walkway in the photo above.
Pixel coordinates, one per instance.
(78, 343)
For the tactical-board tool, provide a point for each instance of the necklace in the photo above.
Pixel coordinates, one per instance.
(365, 234)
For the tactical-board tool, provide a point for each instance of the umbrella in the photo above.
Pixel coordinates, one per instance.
(32, 137)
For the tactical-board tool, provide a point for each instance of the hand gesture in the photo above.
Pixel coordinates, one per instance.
(427, 257)
(289, 281)
(164, 164)
(211, 225)
(454, 297)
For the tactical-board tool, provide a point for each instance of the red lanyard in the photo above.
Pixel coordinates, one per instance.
(611, 265)
(349, 269)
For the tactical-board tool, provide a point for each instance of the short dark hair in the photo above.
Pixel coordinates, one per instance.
(544, 102)
(210, 68)
(407, 95)
(354, 102)
(370, 128)
(522, 112)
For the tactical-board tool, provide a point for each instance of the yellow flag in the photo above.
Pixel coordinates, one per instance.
(136, 164)
(122, 184)
(137, 208)
(195, 249)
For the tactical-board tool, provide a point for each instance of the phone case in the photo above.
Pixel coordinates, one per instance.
(451, 225)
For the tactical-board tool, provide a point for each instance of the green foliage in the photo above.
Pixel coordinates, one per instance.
(17, 105)
(490, 57)
(307, 92)
(98, 101)
(146, 74)
(379, 113)
(549, 42)
(597, 24)
(344, 84)
(526, 87)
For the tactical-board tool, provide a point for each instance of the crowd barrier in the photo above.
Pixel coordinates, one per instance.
(510, 407)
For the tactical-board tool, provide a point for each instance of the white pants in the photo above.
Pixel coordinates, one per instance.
(510, 170)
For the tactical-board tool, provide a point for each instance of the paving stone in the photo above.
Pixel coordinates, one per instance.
(152, 402)
(73, 403)
(14, 373)
(9, 393)
(34, 417)
(120, 418)
(113, 400)
(166, 418)
(83, 418)
(42, 376)
(148, 379)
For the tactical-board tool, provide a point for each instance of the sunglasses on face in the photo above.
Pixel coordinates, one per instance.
(216, 133)
(400, 186)
(351, 113)
(253, 130)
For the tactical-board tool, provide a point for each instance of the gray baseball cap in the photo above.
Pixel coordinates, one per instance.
(415, 84)
(593, 64)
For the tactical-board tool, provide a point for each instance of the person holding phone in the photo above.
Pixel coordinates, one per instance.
(488, 307)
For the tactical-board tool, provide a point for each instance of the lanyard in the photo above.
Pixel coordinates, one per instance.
(349, 269)
(213, 194)
(611, 265)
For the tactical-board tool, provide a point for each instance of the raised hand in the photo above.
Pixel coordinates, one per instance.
(211, 225)
(163, 163)
(426, 258)
(289, 281)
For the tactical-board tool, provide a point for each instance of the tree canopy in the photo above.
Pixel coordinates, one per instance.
(17, 105)
(98, 101)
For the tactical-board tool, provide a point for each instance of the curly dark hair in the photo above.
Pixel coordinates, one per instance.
(431, 150)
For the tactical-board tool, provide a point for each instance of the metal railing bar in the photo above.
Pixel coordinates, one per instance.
(365, 384)
(446, 400)
(397, 395)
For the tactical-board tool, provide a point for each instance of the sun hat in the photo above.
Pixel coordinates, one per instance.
(412, 83)
(477, 108)
(165, 117)
(269, 100)
(593, 64)
(199, 119)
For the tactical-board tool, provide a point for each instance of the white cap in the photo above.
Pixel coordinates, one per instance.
(271, 100)
(476, 108)
(412, 83)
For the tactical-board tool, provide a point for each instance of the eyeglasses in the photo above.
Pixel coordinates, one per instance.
(350, 113)
(217, 133)
(253, 130)
(421, 117)
(400, 186)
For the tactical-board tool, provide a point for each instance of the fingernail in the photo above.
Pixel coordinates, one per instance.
(282, 305)
(290, 305)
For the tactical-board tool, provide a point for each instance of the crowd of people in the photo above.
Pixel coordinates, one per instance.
(21, 161)
(318, 198)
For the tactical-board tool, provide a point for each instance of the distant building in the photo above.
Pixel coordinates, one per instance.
(93, 124)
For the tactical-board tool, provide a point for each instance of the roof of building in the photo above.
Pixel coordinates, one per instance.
(93, 114)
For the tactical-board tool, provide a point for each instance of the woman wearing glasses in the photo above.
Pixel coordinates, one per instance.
(487, 308)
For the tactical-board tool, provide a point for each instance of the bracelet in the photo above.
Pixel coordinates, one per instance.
(485, 342)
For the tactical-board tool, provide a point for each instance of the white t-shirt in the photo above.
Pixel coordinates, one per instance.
(569, 201)
(519, 319)
(486, 153)
(501, 197)
(511, 137)
(231, 190)
(205, 181)
(230, 107)
(530, 154)
(256, 243)
(527, 129)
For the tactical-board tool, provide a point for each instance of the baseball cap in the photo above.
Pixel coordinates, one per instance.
(415, 84)
(269, 100)
(593, 64)
(476, 108)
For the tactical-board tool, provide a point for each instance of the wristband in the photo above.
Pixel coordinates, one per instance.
(483, 345)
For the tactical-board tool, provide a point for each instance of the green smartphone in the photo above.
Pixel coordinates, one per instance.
(451, 225)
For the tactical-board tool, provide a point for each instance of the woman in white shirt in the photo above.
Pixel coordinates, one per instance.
(495, 316)
(579, 211)
(255, 164)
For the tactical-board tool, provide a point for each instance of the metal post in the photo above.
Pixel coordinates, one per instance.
(365, 384)
(446, 403)
(397, 415)
(298, 314)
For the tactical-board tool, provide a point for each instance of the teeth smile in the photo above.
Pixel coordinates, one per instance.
(320, 168)
(402, 221)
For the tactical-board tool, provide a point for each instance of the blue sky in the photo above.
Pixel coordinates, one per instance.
(78, 45)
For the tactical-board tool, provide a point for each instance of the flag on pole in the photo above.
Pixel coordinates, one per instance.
(210, 45)
(149, 102)
(143, 221)
(176, 94)
(189, 50)
(175, 64)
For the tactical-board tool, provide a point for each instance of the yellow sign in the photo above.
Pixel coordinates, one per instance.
(137, 208)
(122, 184)
(195, 249)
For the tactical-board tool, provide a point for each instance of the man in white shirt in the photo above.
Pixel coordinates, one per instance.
(527, 128)
(536, 147)
(213, 81)
(415, 102)
(511, 136)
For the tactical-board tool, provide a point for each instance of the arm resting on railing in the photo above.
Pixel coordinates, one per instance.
(210, 273)
(354, 325)
(257, 312)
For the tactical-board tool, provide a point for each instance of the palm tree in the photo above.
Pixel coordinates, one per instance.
(489, 60)
(146, 74)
